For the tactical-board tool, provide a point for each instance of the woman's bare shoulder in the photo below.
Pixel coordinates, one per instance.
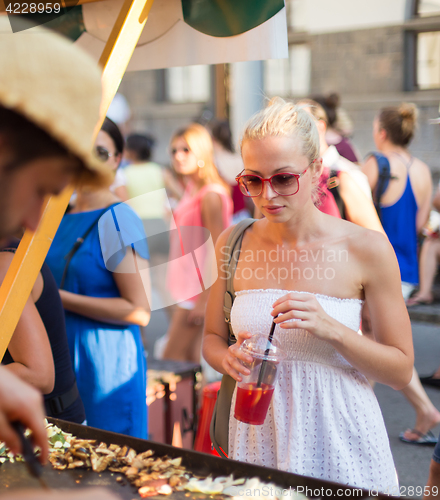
(368, 244)
(6, 260)
(421, 180)
(212, 198)
(223, 238)
(421, 168)
(358, 238)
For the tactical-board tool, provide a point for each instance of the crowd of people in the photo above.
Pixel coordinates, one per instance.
(77, 350)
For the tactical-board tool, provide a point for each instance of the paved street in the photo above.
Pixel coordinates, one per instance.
(412, 462)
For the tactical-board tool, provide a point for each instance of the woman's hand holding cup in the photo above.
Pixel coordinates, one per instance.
(233, 362)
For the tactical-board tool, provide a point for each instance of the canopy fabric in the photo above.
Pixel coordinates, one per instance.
(176, 35)
(168, 40)
(219, 18)
(228, 17)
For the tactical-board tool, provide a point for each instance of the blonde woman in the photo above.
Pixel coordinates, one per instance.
(324, 420)
(207, 204)
(406, 201)
(405, 207)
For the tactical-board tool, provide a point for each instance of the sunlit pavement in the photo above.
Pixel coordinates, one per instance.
(412, 461)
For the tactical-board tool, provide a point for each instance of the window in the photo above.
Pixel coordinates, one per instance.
(428, 60)
(428, 7)
(289, 77)
(187, 84)
(422, 45)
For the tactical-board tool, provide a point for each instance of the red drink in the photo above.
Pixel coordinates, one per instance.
(252, 403)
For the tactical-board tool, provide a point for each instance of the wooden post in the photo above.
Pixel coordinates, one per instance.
(221, 91)
(34, 246)
(121, 44)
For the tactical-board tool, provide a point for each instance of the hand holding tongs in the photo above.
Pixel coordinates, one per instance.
(33, 465)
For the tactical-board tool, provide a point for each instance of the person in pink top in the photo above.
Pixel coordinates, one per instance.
(204, 211)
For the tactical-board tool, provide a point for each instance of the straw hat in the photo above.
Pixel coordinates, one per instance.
(57, 86)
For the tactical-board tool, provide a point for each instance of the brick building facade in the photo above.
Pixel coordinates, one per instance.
(372, 54)
(367, 68)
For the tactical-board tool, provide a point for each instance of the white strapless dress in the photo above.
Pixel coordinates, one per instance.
(324, 420)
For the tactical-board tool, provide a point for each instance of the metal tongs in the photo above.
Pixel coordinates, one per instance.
(33, 465)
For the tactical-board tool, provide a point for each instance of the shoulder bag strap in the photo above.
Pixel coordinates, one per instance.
(383, 180)
(233, 247)
(333, 187)
(79, 241)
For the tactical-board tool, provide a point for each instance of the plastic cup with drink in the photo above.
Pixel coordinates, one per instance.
(255, 391)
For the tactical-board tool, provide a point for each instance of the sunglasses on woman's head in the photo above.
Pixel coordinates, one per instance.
(283, 184)
(103, 154)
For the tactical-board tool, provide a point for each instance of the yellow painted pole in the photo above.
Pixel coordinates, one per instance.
(26, 265)
(121, 44)
(34, 246)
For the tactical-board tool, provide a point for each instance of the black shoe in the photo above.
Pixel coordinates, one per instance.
(431, 381)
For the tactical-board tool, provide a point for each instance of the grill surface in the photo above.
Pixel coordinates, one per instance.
(13, 476)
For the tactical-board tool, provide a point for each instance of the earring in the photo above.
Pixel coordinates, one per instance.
(200, 163)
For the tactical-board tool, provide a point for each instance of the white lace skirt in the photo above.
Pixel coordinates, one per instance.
(324, 422)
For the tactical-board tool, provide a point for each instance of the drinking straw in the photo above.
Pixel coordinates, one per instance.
(266, 352)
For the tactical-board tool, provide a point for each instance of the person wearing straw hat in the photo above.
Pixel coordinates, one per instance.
(50, 94)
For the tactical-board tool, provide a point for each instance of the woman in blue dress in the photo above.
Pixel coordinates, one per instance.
(104, 286)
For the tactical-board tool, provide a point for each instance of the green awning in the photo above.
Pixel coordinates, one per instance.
(228, 17)
(219, 18)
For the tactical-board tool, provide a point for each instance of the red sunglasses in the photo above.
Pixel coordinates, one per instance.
(283, 184)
